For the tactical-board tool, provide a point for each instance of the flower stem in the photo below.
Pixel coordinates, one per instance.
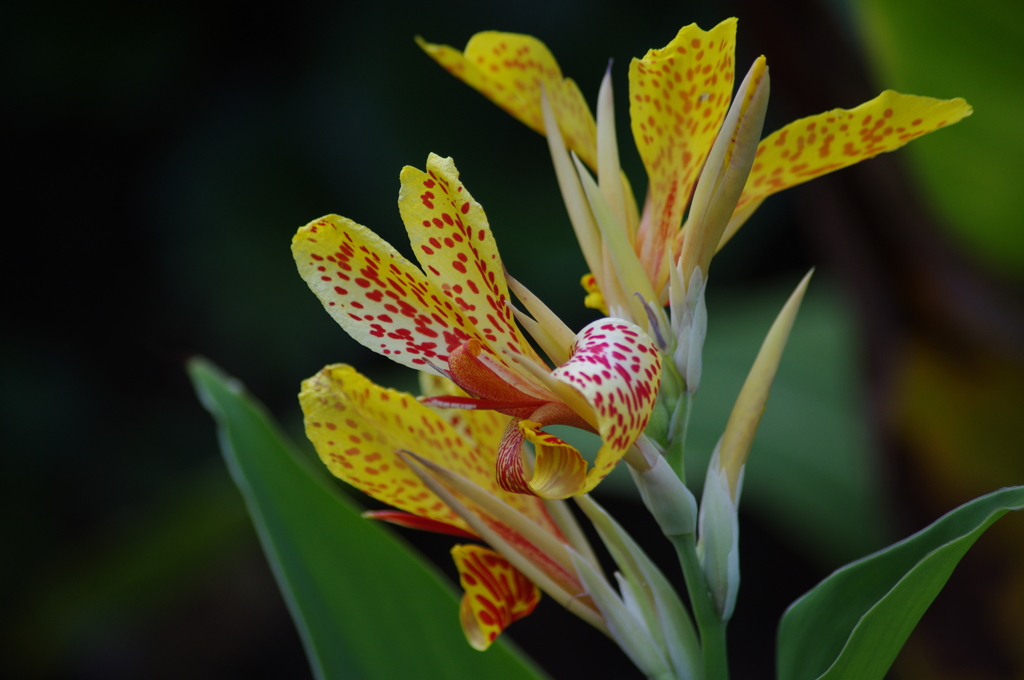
(678, 425)
(712, 628)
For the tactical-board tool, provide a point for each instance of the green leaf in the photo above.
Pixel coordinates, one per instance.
(365, 605)
(852, 625)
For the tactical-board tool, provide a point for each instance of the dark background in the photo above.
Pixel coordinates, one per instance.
(160, 156)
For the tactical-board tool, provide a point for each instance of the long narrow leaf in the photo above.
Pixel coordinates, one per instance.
(366, 606)
(852, 625)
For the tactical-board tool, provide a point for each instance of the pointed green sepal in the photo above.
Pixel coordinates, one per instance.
(630, 273)
(746, 412)
(659, 603)
(719, 547)
(628, 631)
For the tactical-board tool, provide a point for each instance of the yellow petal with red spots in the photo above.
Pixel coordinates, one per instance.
(356, 426)
(497, 594)
(617, 369)
(483, 427)
(454, 245)
(813, 146)
(509, 69)
(678, 98)
(342, 406)
(433, 385)
(381, 299)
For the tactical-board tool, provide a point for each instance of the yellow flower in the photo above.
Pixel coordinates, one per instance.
(679, 96)
(453, 318)
(364, 434)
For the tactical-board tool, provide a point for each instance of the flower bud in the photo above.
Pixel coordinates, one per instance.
(668, 499)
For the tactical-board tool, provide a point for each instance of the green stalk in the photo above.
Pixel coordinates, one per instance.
(712, 628)
(679, 423)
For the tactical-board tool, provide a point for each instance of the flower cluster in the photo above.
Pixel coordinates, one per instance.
(471, 457)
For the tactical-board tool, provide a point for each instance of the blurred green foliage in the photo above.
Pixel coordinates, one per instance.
(974, 50)
(130, 574)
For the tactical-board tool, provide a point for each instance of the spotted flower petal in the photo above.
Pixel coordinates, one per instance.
(381, 299)
(510, 69)
(454, 245)
(813, 146)
(614, 369)
(497, 594)
(357, 426)
(617, 369)
(678, 98)
(481, 426)
(389, 305)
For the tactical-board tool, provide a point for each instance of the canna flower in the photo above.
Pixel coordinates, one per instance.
(453, 318)
(679, 98)
(364, 434)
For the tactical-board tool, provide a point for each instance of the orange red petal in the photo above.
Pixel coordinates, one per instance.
(410, 521)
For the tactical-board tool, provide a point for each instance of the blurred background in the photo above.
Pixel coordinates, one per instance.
(167, 152)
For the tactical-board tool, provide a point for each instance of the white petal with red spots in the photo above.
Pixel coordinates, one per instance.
(617, 369)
